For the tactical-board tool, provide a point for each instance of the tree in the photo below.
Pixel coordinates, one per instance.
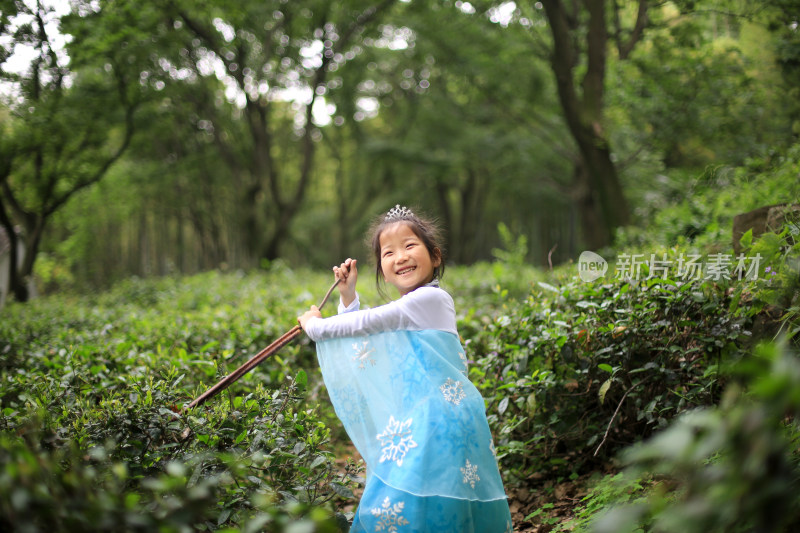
(276, 58)
(67, 126)
(783, 19)
(704, 64)
(462, 127)
(582, 33)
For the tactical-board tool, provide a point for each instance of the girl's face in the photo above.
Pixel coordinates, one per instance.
(405, 261)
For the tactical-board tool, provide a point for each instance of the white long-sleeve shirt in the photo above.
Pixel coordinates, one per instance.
(427, 307)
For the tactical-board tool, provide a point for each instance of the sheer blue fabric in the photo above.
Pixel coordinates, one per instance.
(420, 426)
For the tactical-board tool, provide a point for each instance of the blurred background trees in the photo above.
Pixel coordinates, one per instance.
(141, 138)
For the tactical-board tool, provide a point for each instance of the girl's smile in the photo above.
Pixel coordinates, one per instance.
(405, 261)
(393, 343)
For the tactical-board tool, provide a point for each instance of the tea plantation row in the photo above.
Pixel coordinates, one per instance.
(92, 434)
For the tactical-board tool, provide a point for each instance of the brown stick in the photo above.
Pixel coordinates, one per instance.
(254, 361)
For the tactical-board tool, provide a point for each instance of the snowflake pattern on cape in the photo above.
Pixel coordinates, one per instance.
(452, 391)
(363, 354)
(390, 516)
(396, 440)
(408, 374)
(470, 473)
(349, 402)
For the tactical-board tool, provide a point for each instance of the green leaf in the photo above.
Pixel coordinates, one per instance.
(746, 240)
(604, 390)
(547, 286)
(223, 516)
(316, 462)
(608, 368)
(530, 403)
(501, 408)
(341, 490)
(301, 379)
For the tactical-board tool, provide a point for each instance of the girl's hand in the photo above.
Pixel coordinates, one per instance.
(305, 317)
(347, 273)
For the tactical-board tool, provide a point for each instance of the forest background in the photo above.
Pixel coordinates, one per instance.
(149, 138)
(177, 174)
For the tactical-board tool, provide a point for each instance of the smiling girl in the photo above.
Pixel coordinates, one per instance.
(396, 375)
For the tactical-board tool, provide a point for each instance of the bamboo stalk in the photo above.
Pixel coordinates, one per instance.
(254, 361)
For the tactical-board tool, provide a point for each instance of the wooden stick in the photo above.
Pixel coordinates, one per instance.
(254, 361)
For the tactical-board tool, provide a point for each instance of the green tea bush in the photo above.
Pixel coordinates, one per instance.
(91, 396)
(729, 468)
(91, 387)
(65, 489)
(577, 371)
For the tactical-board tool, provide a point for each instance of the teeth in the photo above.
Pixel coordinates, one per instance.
(405, 270)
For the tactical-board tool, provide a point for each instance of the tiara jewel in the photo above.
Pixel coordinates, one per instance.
(398, 213)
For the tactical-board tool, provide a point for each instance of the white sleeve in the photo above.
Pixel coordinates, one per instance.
(354, 305)
(423, 308)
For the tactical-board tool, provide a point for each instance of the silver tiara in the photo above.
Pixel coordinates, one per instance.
(398, 213)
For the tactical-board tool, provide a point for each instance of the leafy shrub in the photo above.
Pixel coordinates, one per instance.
(91, 387)
(731, 468)
(91, 394)
(65, 489)
(514, 249)
(260, 447)
(610, 490)
(700, 209)
(576, 372)
(779, 289)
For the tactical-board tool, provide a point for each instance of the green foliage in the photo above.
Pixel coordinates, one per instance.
(449, 107)
(576, 371)
(91, 397)
(779, 287)
(722, 85)
(52, 275)
(68, 122)
(572, 373)
(698, 210)
(609, 490)
(65, 489)
(514, 249)
(730, 468)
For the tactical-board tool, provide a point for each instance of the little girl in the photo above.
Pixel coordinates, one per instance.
(396, 375)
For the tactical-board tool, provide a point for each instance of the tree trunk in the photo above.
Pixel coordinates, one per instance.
(16, 285)
(272, 249)
(595, 235)
(603, 205)
(597, 172)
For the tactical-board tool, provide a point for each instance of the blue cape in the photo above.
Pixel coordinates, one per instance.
(420, 425)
